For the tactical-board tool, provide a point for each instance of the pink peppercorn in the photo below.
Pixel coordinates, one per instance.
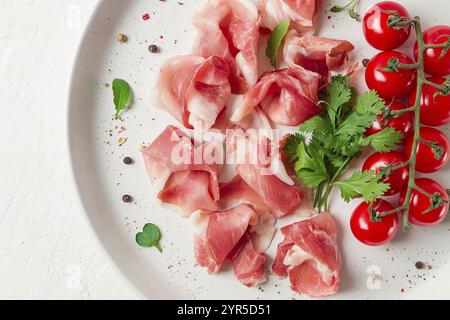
(146, 17)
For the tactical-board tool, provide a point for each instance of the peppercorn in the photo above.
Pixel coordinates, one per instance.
(127, 198)
(365, 62)
(121, 37)
(153, 48)
(127, 160)
(419, 265)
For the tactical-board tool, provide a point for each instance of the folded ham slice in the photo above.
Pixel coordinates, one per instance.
(309, 255)
(288, 97)
(173, 165)
(224, 235)
(260, 165)
(238, 192)
(194, 90)
(317, 54)
(301, 13)
(249, 264)
(230, 29)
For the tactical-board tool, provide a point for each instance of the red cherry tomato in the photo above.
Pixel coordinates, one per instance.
(390, 84)
(433, 62)
(434, 110)
(420, 204)
(429, 159)
(398, 179)
(374, 233)
(376, 30)
(403, 123)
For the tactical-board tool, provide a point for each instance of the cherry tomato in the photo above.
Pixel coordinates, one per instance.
(420, 204)
(398, 179)
(390, 84)
(433, 62)
(432, 153)
(434, 110)
(403, 123)
(376, 30)
(374, 233)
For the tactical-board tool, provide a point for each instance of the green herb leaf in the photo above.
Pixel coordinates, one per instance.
(149, 237)
(337, 9)
(350, 7)
(369, 102)
(385, 140)
(292, 142)
(310, 166)
(365, 184)
(123, 96)
(356, 124)
(275, 39)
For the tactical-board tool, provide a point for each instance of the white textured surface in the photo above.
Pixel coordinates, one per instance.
(46, 250)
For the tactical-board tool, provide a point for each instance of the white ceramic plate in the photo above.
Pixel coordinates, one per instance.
(102, 178)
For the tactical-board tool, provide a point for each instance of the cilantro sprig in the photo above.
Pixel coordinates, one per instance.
(335, 138)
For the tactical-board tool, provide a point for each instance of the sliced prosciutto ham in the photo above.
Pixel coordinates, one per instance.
(301, 13)
(238, 192)
(173, 165)
(248, 264)
(230, 29)
(310, 257)
(224, 235)
(317, 54)
(288, 97)
(259, 164)
(194, 90)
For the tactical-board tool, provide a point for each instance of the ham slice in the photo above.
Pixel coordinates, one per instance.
(288, 97)
(224, 235)
(237, 192)
(260, 165)
(194, 90)
(301, 13)
(230, 29)
(189, 190)
(248, 264)
(177, 169)
(317, 54)
(309, 255)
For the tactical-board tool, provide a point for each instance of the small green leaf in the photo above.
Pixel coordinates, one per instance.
(275, 39)
(316, 123)
(353, 14)
(337, 9)
(369, 102)
(365, 184)
(385, 140)
(310, 166)
(292, 142)
(123, 96)
(149, 237)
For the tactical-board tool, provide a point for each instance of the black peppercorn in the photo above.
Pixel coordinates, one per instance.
(420, 265)
(127, 198)
(127, 160)
(153, 48)
(365, 62)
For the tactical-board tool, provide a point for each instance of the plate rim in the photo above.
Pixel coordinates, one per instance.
(73, 182)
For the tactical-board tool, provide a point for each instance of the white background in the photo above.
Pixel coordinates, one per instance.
(46, 249)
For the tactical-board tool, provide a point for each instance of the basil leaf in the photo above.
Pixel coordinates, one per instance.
(275, 40)
(123, 96)
(149, 237)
